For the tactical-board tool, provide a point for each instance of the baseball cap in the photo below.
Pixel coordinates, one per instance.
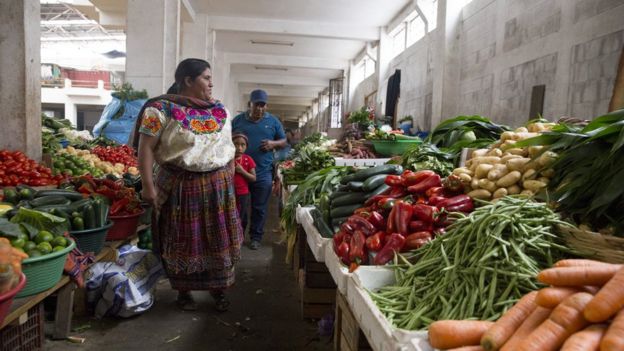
(259, 95)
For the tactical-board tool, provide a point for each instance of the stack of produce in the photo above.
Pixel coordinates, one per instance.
(408, 215)
(505, 169)
(16, 168)
(10, 265)
(427, 156)
(105, 167)
(581, 310)
(123, 154)
(353, 149)
(309, 158)
(390, 135)
(123, 200)
(50, 141)
(68, 164)
(484, 263)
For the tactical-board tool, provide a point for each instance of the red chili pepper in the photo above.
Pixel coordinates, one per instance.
(394, 180)
(359, 222)
(436, 190)
(436, 200)
(403, 217)
(343, 252)
(357, 251)
(391, 226)
(377, 220)
(353, 266)
(397, 191)
(394, 244)
(417, 226)
(459, 203)
(118, 205)
(418, 177)
(424, 213)
(85, 189)
(338, 239)
(347, 228)
(387, 203)
(416, 240)
(426, 183)
(375, 199)
(375, 242)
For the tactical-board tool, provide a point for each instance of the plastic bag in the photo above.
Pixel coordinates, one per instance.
(126, 287)
(118, 129)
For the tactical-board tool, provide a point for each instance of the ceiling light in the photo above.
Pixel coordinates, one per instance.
(268, 68)
(272, 42)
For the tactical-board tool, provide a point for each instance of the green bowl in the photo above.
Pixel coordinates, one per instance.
(391, 148)
(91, 240)
(44, 272)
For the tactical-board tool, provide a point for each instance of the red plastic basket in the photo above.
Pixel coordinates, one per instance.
(6, 299)
(123, 226)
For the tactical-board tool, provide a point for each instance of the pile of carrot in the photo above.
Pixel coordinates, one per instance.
(581, 310)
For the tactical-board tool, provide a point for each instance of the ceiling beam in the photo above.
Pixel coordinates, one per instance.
(292, 92)
(286, 80)
(286, 61)
(302, 28)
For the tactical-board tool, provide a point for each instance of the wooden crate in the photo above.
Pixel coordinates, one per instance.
(347, 333)
(318, 290)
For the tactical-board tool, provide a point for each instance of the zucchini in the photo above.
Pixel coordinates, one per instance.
(97, 208)
(88, 215)
(60, 213)
(338, 221)
(49, 200)
(356, 186)
(349, 199)
(77, 206)
(369, 172)
(344, 211)
(336, 194)
(380, 189)
(372, 182)
(68, 194)
(77, 223)
(320, 224)
(49, 208)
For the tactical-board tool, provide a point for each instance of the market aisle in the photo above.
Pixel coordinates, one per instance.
(265, 302)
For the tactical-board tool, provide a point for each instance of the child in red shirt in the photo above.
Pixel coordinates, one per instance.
(245, 173)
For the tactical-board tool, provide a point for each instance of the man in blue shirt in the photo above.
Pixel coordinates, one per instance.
(265, 134)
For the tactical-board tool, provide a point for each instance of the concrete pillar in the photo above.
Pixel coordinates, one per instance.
(196, 39)
(20, 76)
(384, 56)
(447, 63)
(153, 44)
(71, 113)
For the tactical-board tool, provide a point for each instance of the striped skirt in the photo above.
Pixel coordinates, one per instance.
(196, 229)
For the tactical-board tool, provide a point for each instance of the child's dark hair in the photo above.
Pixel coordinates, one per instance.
(240, 135)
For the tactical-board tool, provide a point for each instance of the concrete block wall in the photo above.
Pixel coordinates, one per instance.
(506, 47)
(365, 88)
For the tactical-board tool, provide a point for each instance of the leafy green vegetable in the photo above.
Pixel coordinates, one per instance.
(428, 156)
(465, 129)
(9, 229)
(310, 158)
(41, 220)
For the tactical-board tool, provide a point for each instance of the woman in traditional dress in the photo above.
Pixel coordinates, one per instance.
(196, 227)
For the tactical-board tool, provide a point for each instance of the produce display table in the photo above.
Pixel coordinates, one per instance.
(65, 290)
(361, 162)
(338, 271)
(314, 239)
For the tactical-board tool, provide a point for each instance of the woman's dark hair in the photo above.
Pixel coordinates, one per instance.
(190, 67)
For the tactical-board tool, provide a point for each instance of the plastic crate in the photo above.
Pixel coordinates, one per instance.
(25, 337)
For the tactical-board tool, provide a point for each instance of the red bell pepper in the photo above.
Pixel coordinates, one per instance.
(435, 191)
(394, 244)
(377, 220)
(375, 242)
(343, 252)
(398, 191)
(347, 227)
(118, 205)
(387, 203)
(424, 213)
(360, 223)
(375, 199)
(416, 240)
(426, 183)
(418, 226)
(391, 223)
(417, 177)
(403, 217)
(394, 180)
(357, 247)
(436, 199)
(363, 211)
(453, 184)
(459, 203)
(338, 239)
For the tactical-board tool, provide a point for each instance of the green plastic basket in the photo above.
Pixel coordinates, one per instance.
(393, 147)
(44, 272)
(91, 240)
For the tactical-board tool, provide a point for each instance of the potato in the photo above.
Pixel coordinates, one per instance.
(517, 151)
(465, 178)
(534, 151)
(506, 157)
(497, 172)
(509, 144)
(500, 192)
(533, 185)
(521, 130)
(460, 170)
(487, 185)
(492, 160)
(474, 183)
(547, 158)
(529, 175)
(483, 170)
(531, 165)
(479, 153)
(514, 189)
(527, 135)
(507, 136)
(495, 152)
(516, 164)
(527, 193)
(480, 194)
(549, 173)
(508, 180)
(543, 180)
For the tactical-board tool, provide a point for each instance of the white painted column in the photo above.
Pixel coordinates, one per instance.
(153, 44)
(447, 63)
(20, 77)
(196, 39)
(71, 113)
(384, 56)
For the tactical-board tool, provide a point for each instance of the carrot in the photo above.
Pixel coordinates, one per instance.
(582, 263)
(577, 276)
(503, 329)
(608, 301)
(587, 339)
(539, 315)
(565, 320)
(552, 296)
(468, 348)
(613, 339)
(448, 334)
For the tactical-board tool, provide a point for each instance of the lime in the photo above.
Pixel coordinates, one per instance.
(44, 236)
(18, 242)
(59, 241)
(33, 253)
(69, 172)
(29, 245)
(58, 248)
(44, 247)
(24, 237)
